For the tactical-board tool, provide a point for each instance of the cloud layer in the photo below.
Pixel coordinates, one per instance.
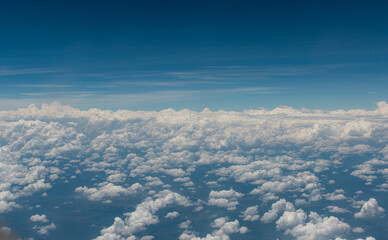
(285, 167)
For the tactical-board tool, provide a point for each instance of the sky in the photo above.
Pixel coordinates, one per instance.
(230, 55)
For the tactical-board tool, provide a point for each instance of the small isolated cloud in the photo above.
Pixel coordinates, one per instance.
(335, 209)
(38, 218)
(224, 198)
(223, 228)
(370, 209)
(277, 208)
(358, 230)
(108, 190)
(44, 230)
(185, 225)
(336, 195)
(250, 214)
(143, 216)
(172, 215)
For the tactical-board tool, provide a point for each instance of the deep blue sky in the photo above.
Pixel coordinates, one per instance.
(229, 55)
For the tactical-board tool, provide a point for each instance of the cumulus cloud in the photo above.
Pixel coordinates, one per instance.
(38, 218)
(185, 225)
(172, 215)
(317, 227)
(371, 170)
(108, 190)
(143, 216)
(224, 228)
(291, 219)
(370, 209)
(250, 214)
(336, 195)
(277, 208)
(283, 153)
(335, 209)
(224, 198)
(44, 230)
(358, 230)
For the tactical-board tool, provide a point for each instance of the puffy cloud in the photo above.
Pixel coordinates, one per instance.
(358, 230)
(335, 209)
(370, 209)
(7, 206)
(371, 170)
(38, 218)
(108, 190)
(224, 228)
(153, 181)
(143, 216)
(172, 215)
(117, 177)
(44, 230)
(284, 153)
(336, 195)
(148, 237)
(303, 181)
(317, 228)
(225, 194)
(224, 198)
(176, 172)
(277, 208)
(291, 219)
(185, 225)
(250, 214)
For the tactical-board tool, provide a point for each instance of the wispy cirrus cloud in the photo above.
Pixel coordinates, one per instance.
(8, 71)
(44, 85)
(100, 98)
(219, 73)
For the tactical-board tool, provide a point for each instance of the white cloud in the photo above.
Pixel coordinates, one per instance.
(335, 209)
(281, 153)
(224, 228)
(224, 198)
(317, 228)
(185, 225)
(277, 208)
(38, 218)
(172, 215)
(108, 190)
(370, 209)
(250, 214)
(358, 230)
(44, 230)
(118, 177)
(336, 195)
(143, 216)
(291, 219)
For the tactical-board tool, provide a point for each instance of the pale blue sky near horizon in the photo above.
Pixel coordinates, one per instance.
(231, 55)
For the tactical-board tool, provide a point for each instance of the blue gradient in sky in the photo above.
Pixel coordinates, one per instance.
(229, 55)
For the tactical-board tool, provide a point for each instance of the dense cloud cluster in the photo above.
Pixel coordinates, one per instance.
(261, 166)
(143, 216)
(223, 228)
